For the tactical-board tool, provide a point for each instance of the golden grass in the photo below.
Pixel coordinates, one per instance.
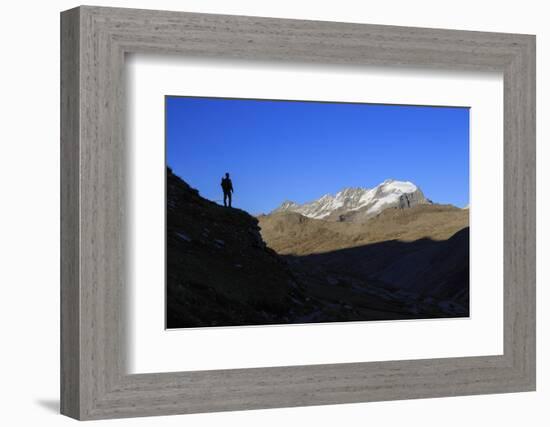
(291, 233)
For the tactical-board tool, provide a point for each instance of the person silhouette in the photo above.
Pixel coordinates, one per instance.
(227, 187)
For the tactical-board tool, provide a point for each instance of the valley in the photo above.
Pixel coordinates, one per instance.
(386, 253)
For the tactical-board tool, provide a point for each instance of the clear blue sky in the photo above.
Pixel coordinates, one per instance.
(299, 151)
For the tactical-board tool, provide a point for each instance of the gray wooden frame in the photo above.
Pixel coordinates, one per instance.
(94, 41)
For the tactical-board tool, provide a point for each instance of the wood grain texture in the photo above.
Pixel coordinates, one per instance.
(94, 381)
(70, 334)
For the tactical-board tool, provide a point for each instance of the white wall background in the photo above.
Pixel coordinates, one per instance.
(29, 212)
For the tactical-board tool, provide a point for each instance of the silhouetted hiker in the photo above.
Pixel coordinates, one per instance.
(227, 187)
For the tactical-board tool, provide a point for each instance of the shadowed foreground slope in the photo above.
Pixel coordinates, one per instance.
(219, 270)
(221, 273)
(427, 269)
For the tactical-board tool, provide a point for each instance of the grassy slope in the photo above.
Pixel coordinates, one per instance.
(291, 233)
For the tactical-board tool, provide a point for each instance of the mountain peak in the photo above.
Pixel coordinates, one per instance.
(358, 202)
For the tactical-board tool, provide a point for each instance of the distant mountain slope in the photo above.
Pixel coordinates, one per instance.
(359, 204)
(293, 233)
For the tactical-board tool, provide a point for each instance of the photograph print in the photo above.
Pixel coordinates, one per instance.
(294, 212)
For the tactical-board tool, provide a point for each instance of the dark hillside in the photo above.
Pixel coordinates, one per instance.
(219, 270)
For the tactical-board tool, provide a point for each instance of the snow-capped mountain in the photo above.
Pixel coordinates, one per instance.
(353, 204)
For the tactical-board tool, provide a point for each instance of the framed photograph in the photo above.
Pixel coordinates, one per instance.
(381, 253)
(262, 213)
